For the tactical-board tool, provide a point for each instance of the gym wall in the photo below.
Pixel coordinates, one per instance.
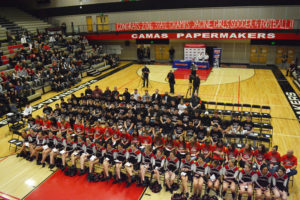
(233, 51)
(256, 12)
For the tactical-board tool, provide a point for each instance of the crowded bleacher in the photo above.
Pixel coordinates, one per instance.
(44, 62)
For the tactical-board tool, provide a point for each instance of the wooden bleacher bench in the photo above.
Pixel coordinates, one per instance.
(34, 97)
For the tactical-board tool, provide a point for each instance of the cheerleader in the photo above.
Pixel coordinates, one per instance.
(23, 151)
(206, 150)
(115, 138)
(262, 182)
(201, 170)
(145, 165)
(133, 161)
(89, 150)
(54, 126)
(64, 127)
(181, 147)
(218, 151)
(89, 130)
(135, 138)
(65, 148)
(146, 140)
(125, 139)
(194, 148)
(280, 182)
(108, 160)
(120, 159)
(98, 131)
(47, 148)
(259, 155)
(246, 155)
(32, 136)
(214, 176)
(158, 162)
(172, 166)
(186, 173)
(57, 144)
(96, 157)
(78, 128)
(231, 153)
(170, 145)
(80, 149)
(246, 177)
(38, 146)
(230, 172)
(46, 124)
(38, 123)
(107, 133)
(158, 142)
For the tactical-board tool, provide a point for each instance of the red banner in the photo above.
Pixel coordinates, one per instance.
(207, 24)
(229, 35)
(190, 45)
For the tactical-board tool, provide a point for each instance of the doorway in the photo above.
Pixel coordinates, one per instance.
(161, 52)
(259, 54)
(89, 23)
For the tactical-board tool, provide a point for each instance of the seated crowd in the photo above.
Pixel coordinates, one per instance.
(44, 60)
(155, 135)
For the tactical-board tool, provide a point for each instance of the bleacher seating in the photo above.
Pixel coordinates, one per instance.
(3, 35)
(24, 20)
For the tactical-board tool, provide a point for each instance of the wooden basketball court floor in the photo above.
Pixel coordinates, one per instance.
(252, 86)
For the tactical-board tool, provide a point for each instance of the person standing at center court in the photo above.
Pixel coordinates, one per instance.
(171, 78)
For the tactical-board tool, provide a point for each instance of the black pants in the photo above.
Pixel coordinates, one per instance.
(195, 89)
(171, 88)
(146, 79)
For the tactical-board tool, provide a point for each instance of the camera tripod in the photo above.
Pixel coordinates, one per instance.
(189, 91)
(141, 82)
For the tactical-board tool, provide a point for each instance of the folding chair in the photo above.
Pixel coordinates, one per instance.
(220, 108)
(13, 141)
(253, 138)
(265, 114)
(237, 109)
(211, 107)
(227, 113)
(255, 113)
(266, 128)
(266, 138)
(246, 110)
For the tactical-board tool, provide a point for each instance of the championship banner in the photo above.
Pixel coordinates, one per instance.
(208, 24)
(198, 35)
(217, 57)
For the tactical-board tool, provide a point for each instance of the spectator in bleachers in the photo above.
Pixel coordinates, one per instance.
(27, 110)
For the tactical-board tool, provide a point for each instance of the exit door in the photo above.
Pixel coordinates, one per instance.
(89, 23)
(161, 52)
(259, 54)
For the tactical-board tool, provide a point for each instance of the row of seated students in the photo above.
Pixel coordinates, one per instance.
(96, 125)
(202, 163)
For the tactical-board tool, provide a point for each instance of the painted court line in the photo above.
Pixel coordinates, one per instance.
(7, 196)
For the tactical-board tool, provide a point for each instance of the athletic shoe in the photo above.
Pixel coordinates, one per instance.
(44, 164)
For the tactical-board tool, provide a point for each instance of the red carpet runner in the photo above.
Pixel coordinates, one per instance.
(61, 187)
(185, 73)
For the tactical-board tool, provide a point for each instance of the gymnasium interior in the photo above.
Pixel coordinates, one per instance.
(79, 76)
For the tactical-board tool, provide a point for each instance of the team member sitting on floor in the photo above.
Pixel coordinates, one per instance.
(172, 166)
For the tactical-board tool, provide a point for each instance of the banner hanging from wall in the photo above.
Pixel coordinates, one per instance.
(197, 35)
(217, 57)
(194, 51)
(208, 24)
